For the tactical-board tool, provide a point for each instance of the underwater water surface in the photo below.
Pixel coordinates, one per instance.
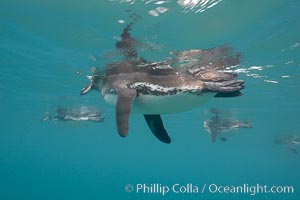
(47, 48)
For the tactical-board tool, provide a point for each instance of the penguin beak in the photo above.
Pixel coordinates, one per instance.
(90, 78)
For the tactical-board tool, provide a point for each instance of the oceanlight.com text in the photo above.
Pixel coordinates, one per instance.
(250, 189)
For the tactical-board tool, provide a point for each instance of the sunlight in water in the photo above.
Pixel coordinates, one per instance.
(197, 5)
(194, 6)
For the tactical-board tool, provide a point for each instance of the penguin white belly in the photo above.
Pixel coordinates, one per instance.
(167, 104)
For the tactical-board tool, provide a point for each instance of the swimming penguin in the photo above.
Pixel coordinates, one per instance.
(290, 141)
(175, 85)
(78, 114)
(217, 125)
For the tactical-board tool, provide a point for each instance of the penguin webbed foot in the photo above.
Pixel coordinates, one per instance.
(157, 127)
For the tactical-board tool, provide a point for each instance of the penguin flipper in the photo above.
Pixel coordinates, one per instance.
(157, 127)
(214, 136)
(123, 109)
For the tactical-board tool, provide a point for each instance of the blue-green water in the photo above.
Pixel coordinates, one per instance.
(43, 44)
